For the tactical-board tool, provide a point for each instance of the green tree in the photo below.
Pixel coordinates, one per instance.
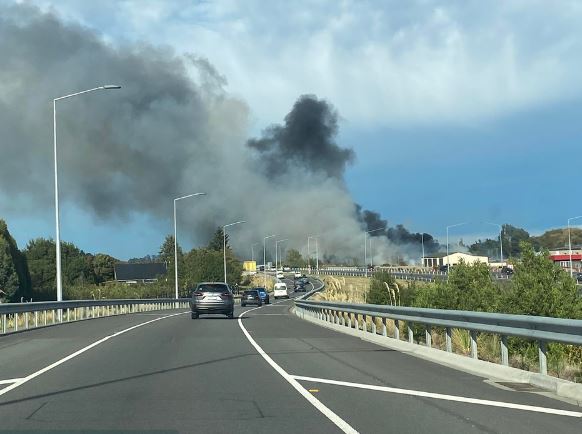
(540, 287)
(9, 283)
(469, 287)
(166, 255)
(14, 268)
(294, 259)
(40, 254)
(216, 243)
(206, 265)
(103, 267)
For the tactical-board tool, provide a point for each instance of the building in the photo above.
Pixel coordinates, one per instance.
(139, 273)
(440, 259)
(562, 258)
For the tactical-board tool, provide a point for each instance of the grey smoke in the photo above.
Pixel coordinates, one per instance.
(171, 130)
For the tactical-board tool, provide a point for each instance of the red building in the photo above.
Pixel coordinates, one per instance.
(562, 257)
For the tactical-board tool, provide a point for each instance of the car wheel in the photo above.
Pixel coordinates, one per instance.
(230, 315)
(194, 315)
(243, 304)
(259, 304)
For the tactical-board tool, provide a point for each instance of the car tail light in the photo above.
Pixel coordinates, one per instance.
(197, 294)
(225, 295)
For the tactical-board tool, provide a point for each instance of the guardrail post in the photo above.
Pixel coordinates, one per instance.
(365, 323)
(26, 320)
(396, 330)
(384, 328)
(428, 336)
(410, 333)
(374, 325)
(4, 323)
(45, 316)
(504, 351)
(349, 321)
(449, 341)
(15, 322)
(54, 317)
(473, 335)
(543, 353)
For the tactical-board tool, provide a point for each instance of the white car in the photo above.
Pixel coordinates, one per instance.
(280, 290)
(280, 275)
(297, 275)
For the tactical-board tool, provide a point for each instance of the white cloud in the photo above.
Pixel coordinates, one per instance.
(380, 63)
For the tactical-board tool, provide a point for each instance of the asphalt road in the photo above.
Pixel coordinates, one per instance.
(176, 374)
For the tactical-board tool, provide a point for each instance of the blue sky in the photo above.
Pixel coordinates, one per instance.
(457, 111)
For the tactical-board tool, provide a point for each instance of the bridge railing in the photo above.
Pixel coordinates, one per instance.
(15, 317)
(542, 330)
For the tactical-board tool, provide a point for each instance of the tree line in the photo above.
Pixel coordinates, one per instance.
(30, 274)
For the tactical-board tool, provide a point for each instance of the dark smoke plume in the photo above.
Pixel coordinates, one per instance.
(307, 139)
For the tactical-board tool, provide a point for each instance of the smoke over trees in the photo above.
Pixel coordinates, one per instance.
(171, 128)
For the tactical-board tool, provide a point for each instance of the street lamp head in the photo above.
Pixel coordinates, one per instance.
(111, 86)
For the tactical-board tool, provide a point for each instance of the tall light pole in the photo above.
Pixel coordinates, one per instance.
(176, 237)
(448, 227)
(277, 251)
(422, 242)
(224, 243)
(365, 247)
(500, 239)
(265, 257)
(309, 237)
(253, 251)
(57, 218)
(570, 243)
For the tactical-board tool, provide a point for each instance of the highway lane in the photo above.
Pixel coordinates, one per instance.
(183, 375)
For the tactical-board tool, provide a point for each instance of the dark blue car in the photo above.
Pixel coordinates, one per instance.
(263, 294)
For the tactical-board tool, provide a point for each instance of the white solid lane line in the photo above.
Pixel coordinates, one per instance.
(79, 352)
(338, 421)
(11, 380)
(442, 397)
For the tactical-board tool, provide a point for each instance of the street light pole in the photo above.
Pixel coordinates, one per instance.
(422, 242)
(57, 217)
(570, 243)
(277, 251)
(365, 247)
(500, 239)
(309, 237)
(176, 238)
(224, 243)
(448, 227)
(265, 258)
(253, 251)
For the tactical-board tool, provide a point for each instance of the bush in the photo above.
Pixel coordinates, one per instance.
(383, 289)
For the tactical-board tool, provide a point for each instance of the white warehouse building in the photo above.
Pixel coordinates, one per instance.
(440, 259)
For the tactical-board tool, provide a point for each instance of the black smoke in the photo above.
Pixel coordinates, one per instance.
(307, 139)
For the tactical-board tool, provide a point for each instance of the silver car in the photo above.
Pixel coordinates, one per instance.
(212, 297)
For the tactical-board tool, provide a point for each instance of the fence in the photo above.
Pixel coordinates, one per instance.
(540, 329)
(23, 316)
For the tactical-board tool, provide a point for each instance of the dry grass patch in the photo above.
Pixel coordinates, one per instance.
(344, 289)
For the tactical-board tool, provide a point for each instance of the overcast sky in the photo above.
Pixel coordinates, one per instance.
(457, 111)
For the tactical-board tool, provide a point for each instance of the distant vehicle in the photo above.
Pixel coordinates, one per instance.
(251, 296)
(297, 275)
(286, 268)
(280, 275)
(304, 280)
(263, 294)
(578, 277)
(507, 271)
(280, 290)
(444, 268)
(299, 286)
(261, 268)
(212, 297)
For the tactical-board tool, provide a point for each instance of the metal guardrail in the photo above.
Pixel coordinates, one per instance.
(540, 329)
(23, 316)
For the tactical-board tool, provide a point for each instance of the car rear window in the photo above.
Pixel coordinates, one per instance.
(260, 289)
(212, 287)
(250, 292)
